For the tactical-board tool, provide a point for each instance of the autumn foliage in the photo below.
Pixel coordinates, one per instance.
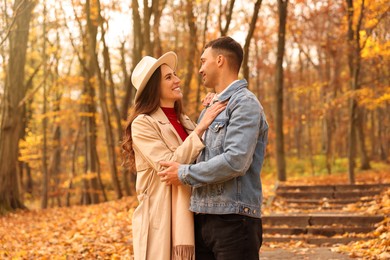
(104, 231)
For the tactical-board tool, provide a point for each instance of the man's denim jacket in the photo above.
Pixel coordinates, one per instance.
(226, 177)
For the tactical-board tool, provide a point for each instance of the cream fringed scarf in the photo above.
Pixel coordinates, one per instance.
(183, 237)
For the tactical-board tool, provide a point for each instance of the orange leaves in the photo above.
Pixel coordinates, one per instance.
(374, 49)
(84, 232)
(378, 247)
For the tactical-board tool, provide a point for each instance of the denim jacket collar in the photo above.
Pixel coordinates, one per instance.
(232, 89)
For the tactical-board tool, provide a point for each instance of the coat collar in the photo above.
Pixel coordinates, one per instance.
(164, 123)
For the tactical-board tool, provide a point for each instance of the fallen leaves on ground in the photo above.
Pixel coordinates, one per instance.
(101, 231)
(376, 248)
(379, 246)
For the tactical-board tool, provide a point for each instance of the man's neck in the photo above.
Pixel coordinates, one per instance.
(224, 83)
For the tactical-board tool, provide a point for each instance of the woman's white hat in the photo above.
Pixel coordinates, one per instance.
(147, 66)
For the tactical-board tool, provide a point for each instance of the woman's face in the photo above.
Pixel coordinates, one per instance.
(170, 87)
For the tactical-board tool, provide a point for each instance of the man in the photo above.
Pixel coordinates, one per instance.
(227, 194)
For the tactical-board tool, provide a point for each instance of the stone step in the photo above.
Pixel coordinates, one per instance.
(325, 224)
(295, 207)
(320, 241)
(324, 200)
(322, 231)
(328, 188)
(327, 194)
(305, 220)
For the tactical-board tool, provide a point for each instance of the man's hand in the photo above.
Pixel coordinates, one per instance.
(170, 174)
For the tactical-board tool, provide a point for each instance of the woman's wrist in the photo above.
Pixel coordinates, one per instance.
(199, 130)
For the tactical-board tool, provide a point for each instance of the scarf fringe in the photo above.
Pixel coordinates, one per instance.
(183, 252)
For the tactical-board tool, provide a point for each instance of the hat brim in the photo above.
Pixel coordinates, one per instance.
(169, 58)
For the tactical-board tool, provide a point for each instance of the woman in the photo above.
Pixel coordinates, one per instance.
(158, 130)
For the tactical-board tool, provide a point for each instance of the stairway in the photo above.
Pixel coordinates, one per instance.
(315, 214)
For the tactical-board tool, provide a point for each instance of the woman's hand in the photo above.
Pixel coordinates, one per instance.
(209, 116)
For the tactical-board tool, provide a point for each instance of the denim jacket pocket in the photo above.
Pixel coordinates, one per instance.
(217, 131)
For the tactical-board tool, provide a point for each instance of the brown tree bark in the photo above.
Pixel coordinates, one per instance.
(11, 120)
(128, 182)
(138, 44)
(228, 12)
(148, 11)
(93, 20)
(73, 157)
(90, 180)
(92, 24)
(157, 13)
(204, 30)
(248, 39)
(54, 166)
(278, 114)
(354, 52)
(364, 158)
(45, 173)
(192, 40)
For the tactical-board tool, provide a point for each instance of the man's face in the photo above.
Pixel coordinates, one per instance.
(208, 68)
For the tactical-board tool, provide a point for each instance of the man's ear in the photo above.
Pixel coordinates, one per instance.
(220, 60)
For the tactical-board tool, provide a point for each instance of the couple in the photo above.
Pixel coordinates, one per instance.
(220, 218)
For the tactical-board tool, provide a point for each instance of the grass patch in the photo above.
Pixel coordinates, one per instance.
(304, 167)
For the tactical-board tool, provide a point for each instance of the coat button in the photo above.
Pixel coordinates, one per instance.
(246, 210)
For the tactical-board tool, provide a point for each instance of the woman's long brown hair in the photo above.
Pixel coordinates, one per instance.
(147, 103)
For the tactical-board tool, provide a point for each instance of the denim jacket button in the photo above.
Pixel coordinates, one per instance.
(246, 210)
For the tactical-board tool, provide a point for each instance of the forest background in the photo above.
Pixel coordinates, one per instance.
(320, 69)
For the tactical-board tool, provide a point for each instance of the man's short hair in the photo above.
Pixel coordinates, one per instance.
(229, 48)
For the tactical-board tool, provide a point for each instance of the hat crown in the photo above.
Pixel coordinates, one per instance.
(140, 69)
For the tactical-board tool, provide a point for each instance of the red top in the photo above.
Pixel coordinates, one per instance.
(171, 114)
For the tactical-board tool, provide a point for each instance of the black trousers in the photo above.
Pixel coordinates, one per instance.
(227, 237)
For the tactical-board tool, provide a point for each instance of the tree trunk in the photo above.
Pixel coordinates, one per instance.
(354, 68)
(328, 117)
(11, 120)
(126, 176)
(191, 50)
(157, 13)
(352, 105)
(55, 161)
(199, 87)
(148, 10)
(45, 173)
(381, 132)
(110, 140)
(90, 181)
(364, 159)
(72, 174)
(138, 44)
(228, 12)
(280, 154)
(248, 39)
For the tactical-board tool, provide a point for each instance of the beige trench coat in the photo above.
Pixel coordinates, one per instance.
(154, 140)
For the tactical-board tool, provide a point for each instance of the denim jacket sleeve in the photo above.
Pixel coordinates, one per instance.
(244, 119)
